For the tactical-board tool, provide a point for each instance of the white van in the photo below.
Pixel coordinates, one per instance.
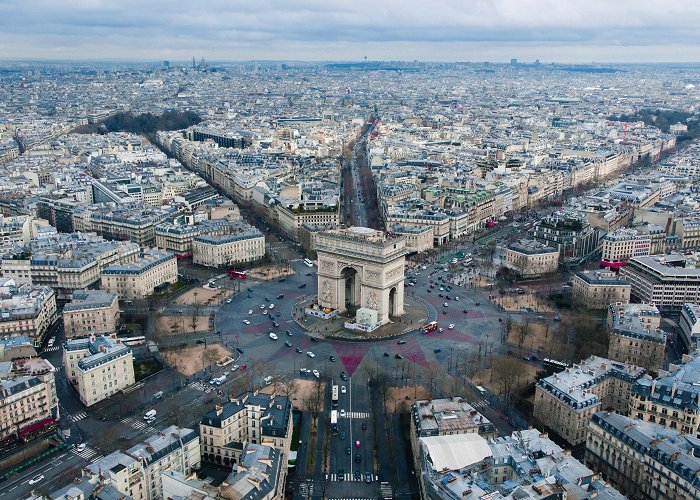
(158, 395)
(150, 415)
(481, 390)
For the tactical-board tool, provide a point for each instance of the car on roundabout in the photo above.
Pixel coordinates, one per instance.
(310, 354)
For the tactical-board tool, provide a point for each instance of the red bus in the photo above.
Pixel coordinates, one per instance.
(237, 275)
(429, 327)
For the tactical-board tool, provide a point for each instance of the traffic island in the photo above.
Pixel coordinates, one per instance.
(333, 326)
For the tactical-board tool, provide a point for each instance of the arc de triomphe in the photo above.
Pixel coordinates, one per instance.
(361, 267)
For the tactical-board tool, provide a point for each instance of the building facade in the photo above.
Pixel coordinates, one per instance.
(672, 399)
(668, 281)
(565, 401)
(26, 310)
(643, 460)
(98, 367)
(247, 245)
(28, 399)
(139, 279)
(689, 324)
(251, 417)
(599, 289)
(91, 312)
(635, 336)
(531, 259)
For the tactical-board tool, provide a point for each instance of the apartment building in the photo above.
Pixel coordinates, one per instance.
(172, 449)
(641, 459)
(28, 400)
(138, 472)
(419, 214)
(531, 259)
(418, 238)
(139, 279)
(599, 289)
(525, 465)
(19, 346)
(98, 367)
(571, 234)
(251, 417)
(689, 324)
(668, 281)
(91, 312)
(244, 245)
(446, 417)
(26, 309)
(617, 247)
(291, 219)
(260, 474)
(671, 399)
(635, 336)
(565, 401)
(121, 222)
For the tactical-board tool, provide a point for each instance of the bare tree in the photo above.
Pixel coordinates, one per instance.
(209, 357)
(195, 312)
(523, 332)
(507, 372)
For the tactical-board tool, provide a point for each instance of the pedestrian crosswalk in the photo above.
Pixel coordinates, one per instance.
(79, 416)
(88, 453)
(350, 477)
(479, 404)
(200, 386)
(52, 349)
(134, 423)
(355, 414)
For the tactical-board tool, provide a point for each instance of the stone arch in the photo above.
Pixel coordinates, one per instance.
(350, 287)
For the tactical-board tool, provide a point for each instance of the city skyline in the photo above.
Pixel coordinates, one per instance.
(309, 30)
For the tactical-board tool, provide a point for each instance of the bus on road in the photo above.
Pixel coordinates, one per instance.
(553, 366)
(334, 421)
(237, 275)
(334, 396)
(429, 327)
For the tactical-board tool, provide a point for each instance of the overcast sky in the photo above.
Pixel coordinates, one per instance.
(434, 30)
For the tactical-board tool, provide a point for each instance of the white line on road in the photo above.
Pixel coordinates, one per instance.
(351, 441)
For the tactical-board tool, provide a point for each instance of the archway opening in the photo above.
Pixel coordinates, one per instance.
(392, 302)
(350, 285)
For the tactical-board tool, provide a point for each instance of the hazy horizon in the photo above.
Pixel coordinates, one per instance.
(564, 32)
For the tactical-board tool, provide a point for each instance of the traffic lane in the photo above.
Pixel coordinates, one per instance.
(53, 472)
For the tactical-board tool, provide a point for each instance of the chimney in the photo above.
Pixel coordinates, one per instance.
(219, 409)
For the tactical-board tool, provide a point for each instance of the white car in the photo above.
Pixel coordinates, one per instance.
(273, 336)
(310, 354)
(457, 299)
(442, 289)
(246, 321)
(262, 306)
(250, 311)
(343, 389)
(342, 413)
(445, 304)
(36, 479)
(304, 370)
(80, 447)
(316, 373)
(451, 326)
(271, 306)
(235, 367)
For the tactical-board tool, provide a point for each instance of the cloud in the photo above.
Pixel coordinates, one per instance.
(323, 30)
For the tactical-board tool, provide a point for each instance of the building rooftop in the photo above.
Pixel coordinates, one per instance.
(90, 299)
(573, 384)
(448, 415)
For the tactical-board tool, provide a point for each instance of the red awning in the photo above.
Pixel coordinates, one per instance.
(36, 426)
